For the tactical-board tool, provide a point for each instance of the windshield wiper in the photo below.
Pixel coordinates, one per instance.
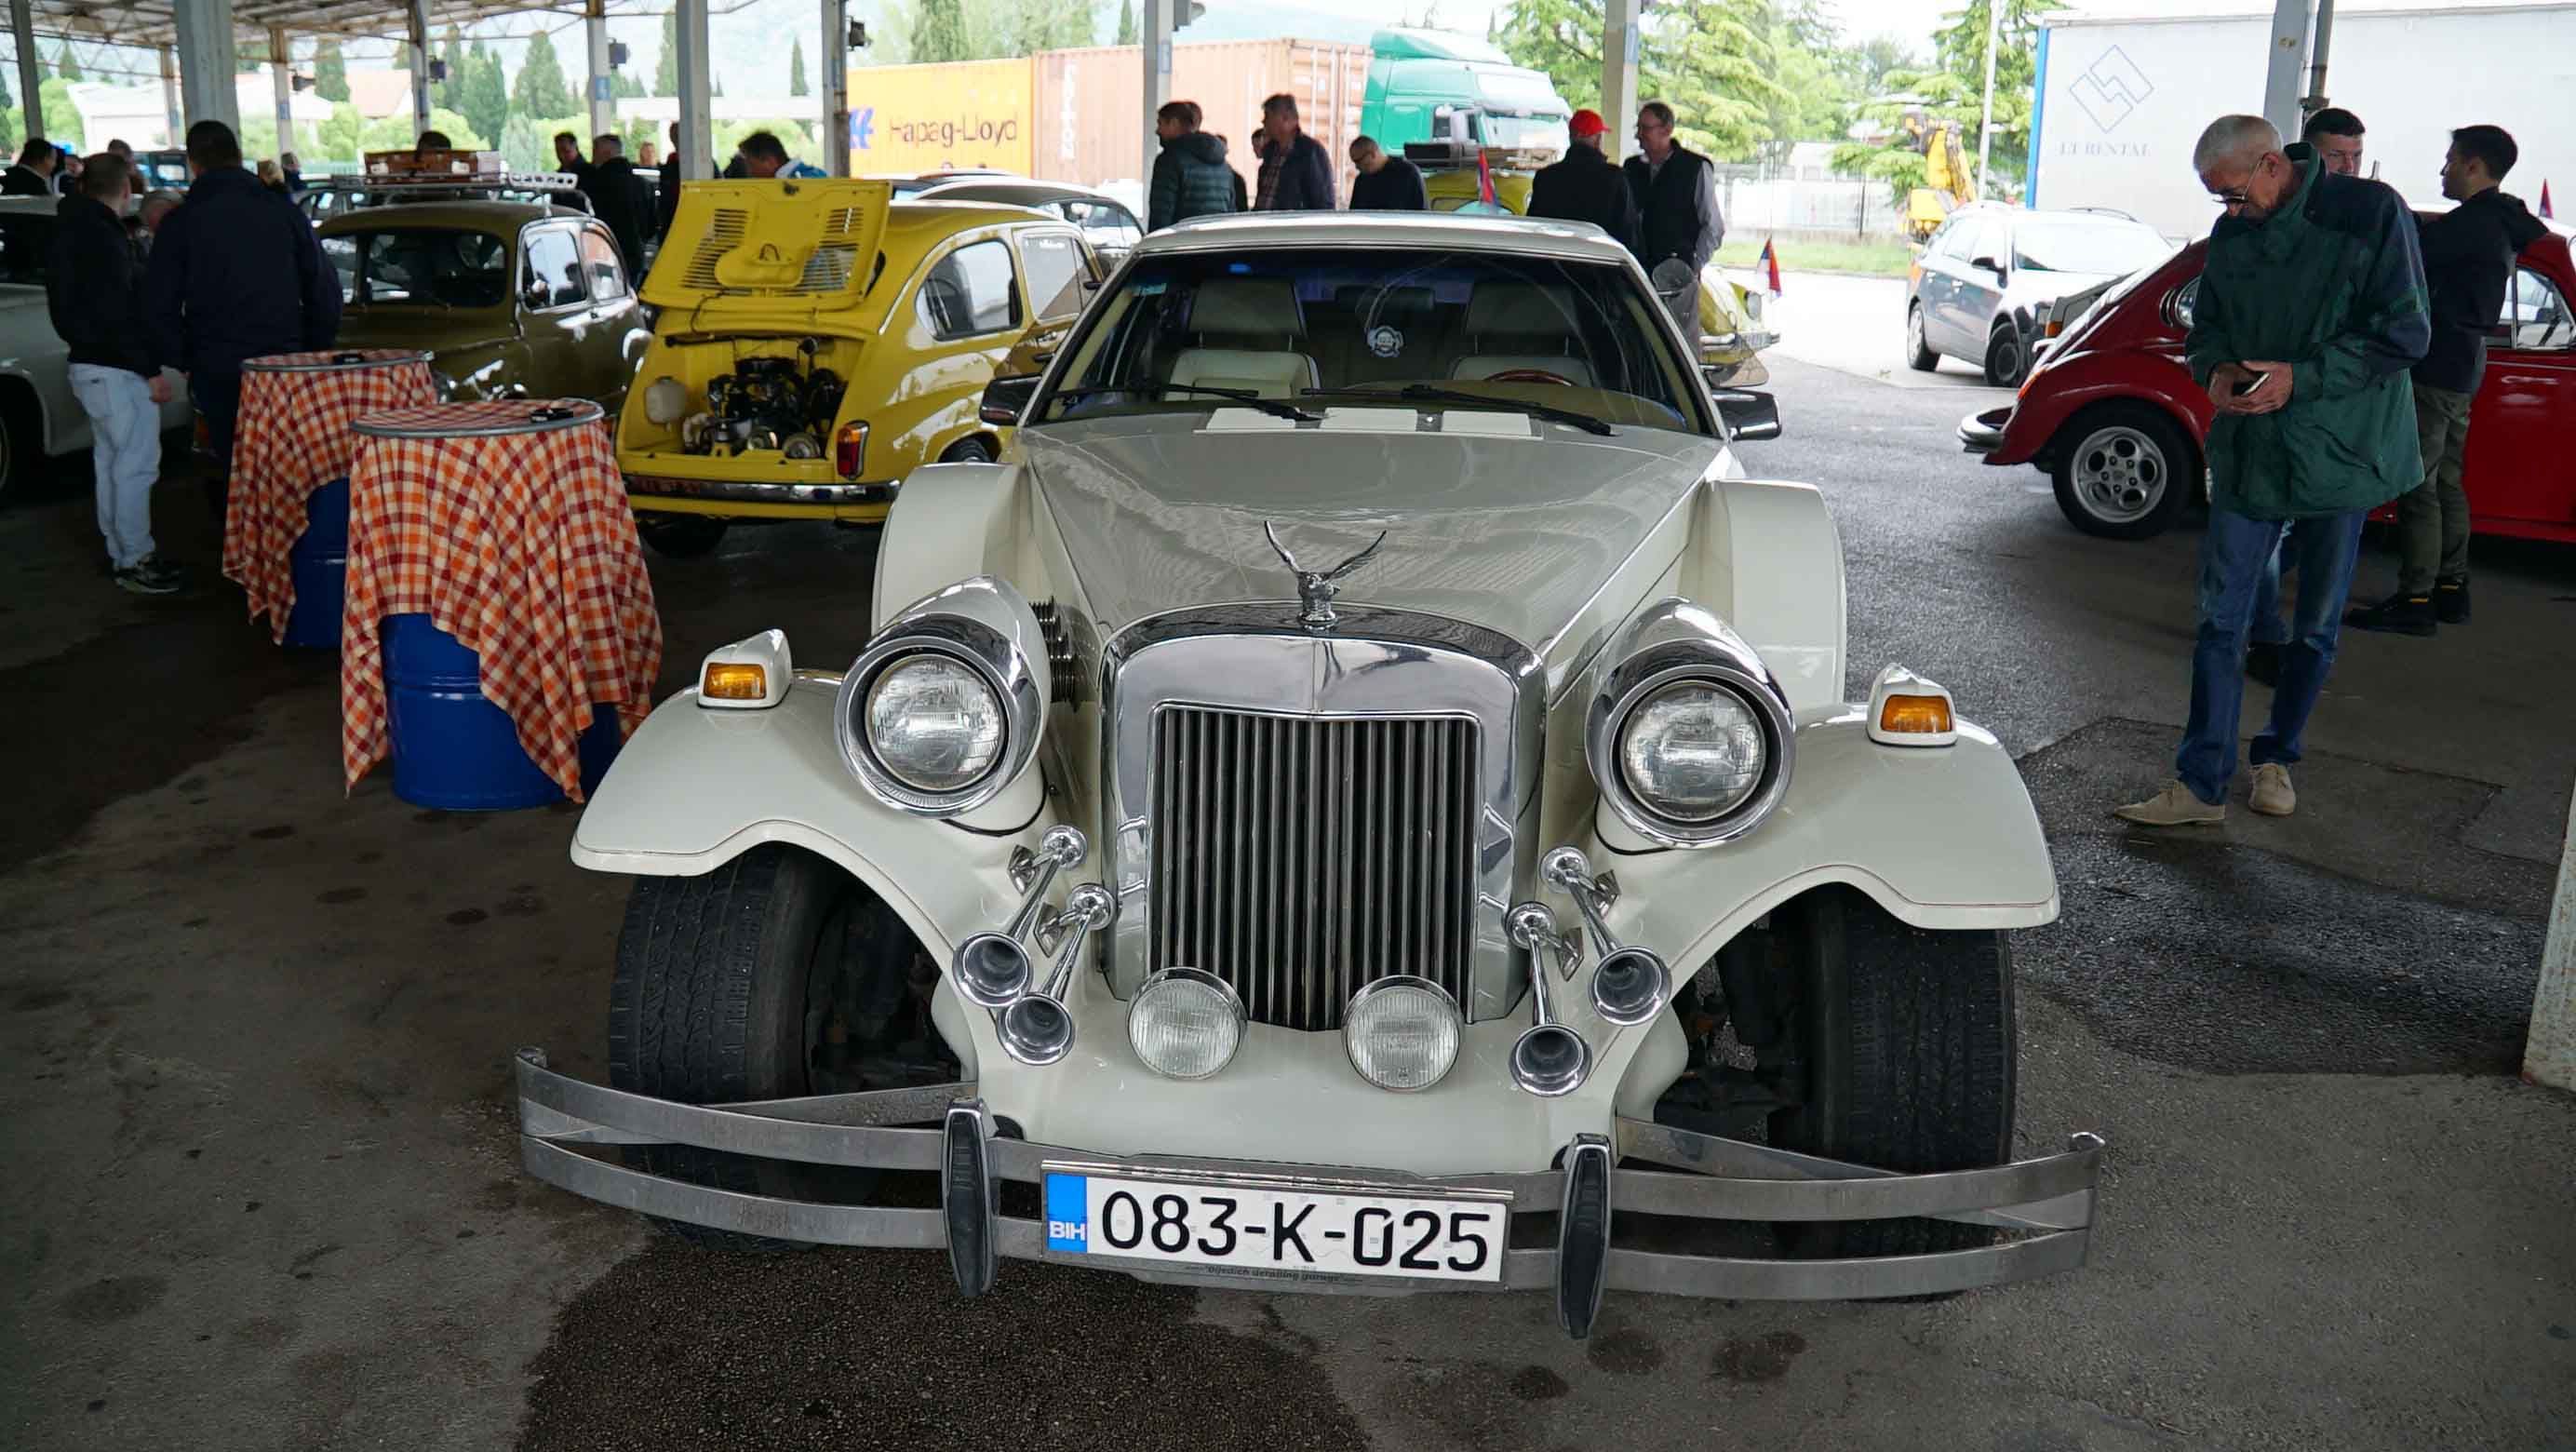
(1426, 393)
(1275, 407)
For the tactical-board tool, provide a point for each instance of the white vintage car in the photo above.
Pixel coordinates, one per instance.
(1364, 778)
(39, 417)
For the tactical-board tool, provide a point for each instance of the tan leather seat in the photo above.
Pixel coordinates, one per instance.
(1523, 325)
(1249, 333)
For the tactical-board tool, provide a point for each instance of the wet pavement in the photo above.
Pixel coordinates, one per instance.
(265, 1194)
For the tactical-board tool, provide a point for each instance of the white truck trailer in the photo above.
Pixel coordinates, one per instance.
(2125, 88)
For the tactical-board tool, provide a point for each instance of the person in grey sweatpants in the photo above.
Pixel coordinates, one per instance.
(92, 295)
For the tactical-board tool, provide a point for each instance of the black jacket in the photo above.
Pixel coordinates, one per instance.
(1586, 187)
(1394, 187)
(1667, 205)
(94, 289)
(1305, 178)
(2469, 253)
(617, 200)
(235, 273)
(22, 181)
(669, 201)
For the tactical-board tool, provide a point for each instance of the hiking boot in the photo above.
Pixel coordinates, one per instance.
(2273, 796)
(2451, 601)
(2263, 661)
(141, 579)
(2399, 614)
(2175, 806)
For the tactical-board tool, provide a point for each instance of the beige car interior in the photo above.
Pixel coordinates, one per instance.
(1247, 333)
(1512, 326)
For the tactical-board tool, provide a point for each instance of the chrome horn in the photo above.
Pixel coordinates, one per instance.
(1631, 985)
(1548, 1059)
(992, 969)
(1036, 1029)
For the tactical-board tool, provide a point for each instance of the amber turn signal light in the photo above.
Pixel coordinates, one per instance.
(1915, 716)
(736, 681)
(850, 449)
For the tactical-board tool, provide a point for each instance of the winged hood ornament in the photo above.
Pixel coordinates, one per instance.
(1315, 588)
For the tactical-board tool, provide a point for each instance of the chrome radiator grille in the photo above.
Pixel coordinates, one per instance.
(1299, 857)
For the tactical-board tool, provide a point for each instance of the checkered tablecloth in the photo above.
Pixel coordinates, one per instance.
(522, 546)
(292, 439)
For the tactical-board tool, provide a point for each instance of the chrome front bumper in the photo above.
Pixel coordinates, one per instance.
(1983, 433)
(752, 492)
(2047, 1203)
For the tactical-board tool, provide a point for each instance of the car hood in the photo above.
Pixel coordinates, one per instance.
(1544, 533)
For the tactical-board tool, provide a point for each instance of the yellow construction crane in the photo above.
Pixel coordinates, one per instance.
(1946, 185)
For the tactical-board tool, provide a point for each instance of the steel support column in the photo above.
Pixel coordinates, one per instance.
(1155, 31)
(1619, 99)
(602, 91)
(834, 59)
(697, 123)
(174, 118)
(31, 98)
(2319, 46)
(206, 62)
(2283, 62)
(416, 23)
(2549, 1056)
(281, 73)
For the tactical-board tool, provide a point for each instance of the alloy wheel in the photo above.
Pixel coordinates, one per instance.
(2120, 474)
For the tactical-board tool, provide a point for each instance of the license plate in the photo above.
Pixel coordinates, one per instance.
(1282, 1231)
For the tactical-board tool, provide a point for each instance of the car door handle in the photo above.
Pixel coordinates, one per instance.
(1047, 356)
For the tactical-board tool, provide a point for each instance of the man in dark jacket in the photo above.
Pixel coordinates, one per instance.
(93, 292)
(1585, 186)
(2311, 309)
(669, 200)
(33, 176)
(1386, 183)
(1191, 177)
(1296, 175)
(1676, 194)
(617, 199)
(2469, 255)
(235, 273)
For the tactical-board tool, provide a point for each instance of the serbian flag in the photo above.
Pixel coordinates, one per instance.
(1485, 180)
(1770, 261)
(2544, 201)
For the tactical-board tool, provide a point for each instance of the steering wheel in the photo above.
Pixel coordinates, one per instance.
(1529, 375)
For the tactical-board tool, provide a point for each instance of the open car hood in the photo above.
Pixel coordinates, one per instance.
(776, 252)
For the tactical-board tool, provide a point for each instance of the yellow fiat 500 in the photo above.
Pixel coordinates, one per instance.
(817, 340)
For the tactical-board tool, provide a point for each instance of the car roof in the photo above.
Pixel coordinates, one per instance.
(915, 216)
(460, 215)
(1017, 193)
(1573, 241)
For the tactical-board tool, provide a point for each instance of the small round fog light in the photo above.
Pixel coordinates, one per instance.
(1402, 1032)
(1185, 1023)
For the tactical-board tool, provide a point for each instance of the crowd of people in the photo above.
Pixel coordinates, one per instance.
(2340, 341)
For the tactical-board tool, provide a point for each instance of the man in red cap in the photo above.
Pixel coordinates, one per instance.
(1586, 186)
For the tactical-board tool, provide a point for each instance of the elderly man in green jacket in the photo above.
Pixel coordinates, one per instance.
(2310, 311)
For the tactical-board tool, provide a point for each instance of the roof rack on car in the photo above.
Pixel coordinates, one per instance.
(459, 184)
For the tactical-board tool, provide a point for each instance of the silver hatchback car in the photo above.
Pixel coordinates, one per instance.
(1988, 261)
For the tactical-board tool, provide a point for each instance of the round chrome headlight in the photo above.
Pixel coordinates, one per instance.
(1185, 1023)
(1402, 1032)
(1693, 750)
(933, 723)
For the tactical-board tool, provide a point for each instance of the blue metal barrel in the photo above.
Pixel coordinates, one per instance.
(454, 749)
(320, 561)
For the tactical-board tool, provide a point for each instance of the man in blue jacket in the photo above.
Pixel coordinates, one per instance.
(235, 274)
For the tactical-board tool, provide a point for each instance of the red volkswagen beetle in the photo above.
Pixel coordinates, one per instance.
(2111, 412)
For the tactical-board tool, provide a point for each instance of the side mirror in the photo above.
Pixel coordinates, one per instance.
(1749, 413)
(1988, 263)
(1005, 399)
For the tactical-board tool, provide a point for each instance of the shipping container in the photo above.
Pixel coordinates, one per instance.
(1091, 103)
(905, 120)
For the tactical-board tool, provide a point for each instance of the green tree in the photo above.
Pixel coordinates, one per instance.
(330, 71)
(69, 69)
(624, 87)
(1126, 22)
(540, 88)
(1867, 64)
(486, 98)
(1709, 61)
(8, 98)
(1562, 38)
(452, 54)
(796, 67)
(1815, 101)
(1953, 90)
(62, 118)
(939, 32)
(666, 66)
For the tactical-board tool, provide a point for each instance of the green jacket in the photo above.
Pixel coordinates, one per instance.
(2333, 285)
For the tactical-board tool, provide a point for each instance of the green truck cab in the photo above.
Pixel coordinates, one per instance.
(1420, 79)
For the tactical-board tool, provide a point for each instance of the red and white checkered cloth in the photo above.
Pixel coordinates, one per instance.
(522, 546)
(292, 439)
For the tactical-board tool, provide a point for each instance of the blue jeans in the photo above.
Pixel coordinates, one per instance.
(2233, 558)
(125, 449)
(2268, 628)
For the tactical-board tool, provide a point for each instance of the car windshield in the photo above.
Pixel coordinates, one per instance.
(2105, 248)
(431, 266)
(1488, 329)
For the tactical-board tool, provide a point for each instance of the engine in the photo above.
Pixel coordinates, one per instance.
(784, 404)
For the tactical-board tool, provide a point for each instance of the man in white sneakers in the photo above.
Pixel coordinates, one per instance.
(93, 293)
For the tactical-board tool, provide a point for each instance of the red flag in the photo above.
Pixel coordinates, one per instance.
(1485, 179)
(2544, 201)
(1771, 261)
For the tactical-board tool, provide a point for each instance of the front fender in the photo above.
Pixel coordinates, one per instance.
(2069, 385)
(1941, 837)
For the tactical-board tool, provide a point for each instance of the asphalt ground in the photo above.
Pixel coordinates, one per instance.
(264, 1193)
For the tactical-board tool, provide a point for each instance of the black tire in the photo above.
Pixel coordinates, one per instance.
(1918, 353)
(710, 1005)
(2007, 357)
(1909, 1039)
(968, 451)
(2125, 472)
(680, 536)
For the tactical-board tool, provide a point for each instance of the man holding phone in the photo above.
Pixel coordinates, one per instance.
(2311, 308)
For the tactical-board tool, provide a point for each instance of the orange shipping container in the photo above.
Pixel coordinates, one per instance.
(1090, 124)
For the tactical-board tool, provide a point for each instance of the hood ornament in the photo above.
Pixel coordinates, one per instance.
(1315, 587)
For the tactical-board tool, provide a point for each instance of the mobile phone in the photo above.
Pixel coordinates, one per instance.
(2248, 384)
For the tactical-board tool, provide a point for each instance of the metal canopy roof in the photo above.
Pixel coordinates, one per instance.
(149, 22)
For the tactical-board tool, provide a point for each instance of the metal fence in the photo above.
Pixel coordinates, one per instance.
(1841, 206)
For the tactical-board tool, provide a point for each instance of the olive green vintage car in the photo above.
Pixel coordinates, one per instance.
(510, 299)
